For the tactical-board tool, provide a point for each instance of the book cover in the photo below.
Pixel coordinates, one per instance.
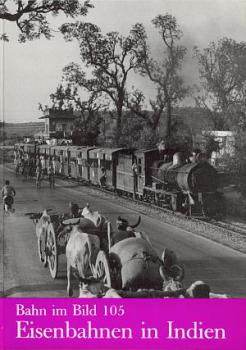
(123, 174)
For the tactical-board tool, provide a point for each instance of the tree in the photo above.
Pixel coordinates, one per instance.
(111, 57)
(148, 119)
(222, 68)
(136, 103)
(31, 16)
(3, 133)
(87, 125)
(223, 79)
(165, 74)
(211, 145)
(131, 131)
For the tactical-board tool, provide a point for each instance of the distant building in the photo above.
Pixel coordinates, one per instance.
(58, 123)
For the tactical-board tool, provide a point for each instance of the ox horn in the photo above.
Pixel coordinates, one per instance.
(163, 273)
(31, 213)
(34, 216)
(137, 223)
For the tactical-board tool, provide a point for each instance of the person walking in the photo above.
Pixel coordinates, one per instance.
(51, 176)
(42, 161)
(54, 164)
(79, 164)
(38, 175)
(61, 170)
(103, 177)
(135, 177)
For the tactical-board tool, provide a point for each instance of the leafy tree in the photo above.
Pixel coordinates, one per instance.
(211, 145)
(31, 16)
(222, 69)
(87, 125)
(62, 98)
(87, 129)
(136, 103)
(165, 74)
(3, 135)
(111, 57)
(223, 78)
(131, 131)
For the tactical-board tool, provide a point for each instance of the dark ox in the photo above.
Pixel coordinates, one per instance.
(126, 230)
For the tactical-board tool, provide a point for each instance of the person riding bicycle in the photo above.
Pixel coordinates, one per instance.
(8, 192)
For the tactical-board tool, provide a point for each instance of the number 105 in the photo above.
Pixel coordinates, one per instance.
(114, 310)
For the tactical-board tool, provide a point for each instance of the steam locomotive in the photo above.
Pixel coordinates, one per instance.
(189, 186)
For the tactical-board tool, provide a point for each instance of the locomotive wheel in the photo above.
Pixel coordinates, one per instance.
(174, 203)
(102, 270)
(52, 251)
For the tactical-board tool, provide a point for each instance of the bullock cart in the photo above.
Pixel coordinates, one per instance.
(53, 232)
(122, 259)
(127, 260)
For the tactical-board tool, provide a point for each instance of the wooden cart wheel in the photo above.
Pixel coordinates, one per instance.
(102, 270)
(42, 252)
(41, 248)
(52, 251)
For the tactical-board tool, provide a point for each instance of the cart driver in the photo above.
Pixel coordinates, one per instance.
(74, 211)
(65, 230)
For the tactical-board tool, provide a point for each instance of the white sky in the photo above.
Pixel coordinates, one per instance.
(33, 70)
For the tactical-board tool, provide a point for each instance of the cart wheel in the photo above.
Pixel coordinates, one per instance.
(51, 251)
(102, 270)
(41, 249)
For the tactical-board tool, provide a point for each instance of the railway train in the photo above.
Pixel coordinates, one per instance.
(186, 186)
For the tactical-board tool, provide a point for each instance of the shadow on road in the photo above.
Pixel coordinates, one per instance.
(29, 289)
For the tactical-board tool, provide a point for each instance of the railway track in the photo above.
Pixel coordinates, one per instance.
(226, 225)
(223, 232)
(223, 225)
(231, 226)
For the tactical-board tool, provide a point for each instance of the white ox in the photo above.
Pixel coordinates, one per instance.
(82, 249)
(42, 224)
(81, 252)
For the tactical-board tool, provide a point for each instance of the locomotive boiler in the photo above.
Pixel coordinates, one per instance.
(190, 188)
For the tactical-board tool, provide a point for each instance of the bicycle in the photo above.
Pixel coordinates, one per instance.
(8, 202)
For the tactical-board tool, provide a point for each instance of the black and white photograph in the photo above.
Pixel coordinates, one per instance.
(123, 149)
